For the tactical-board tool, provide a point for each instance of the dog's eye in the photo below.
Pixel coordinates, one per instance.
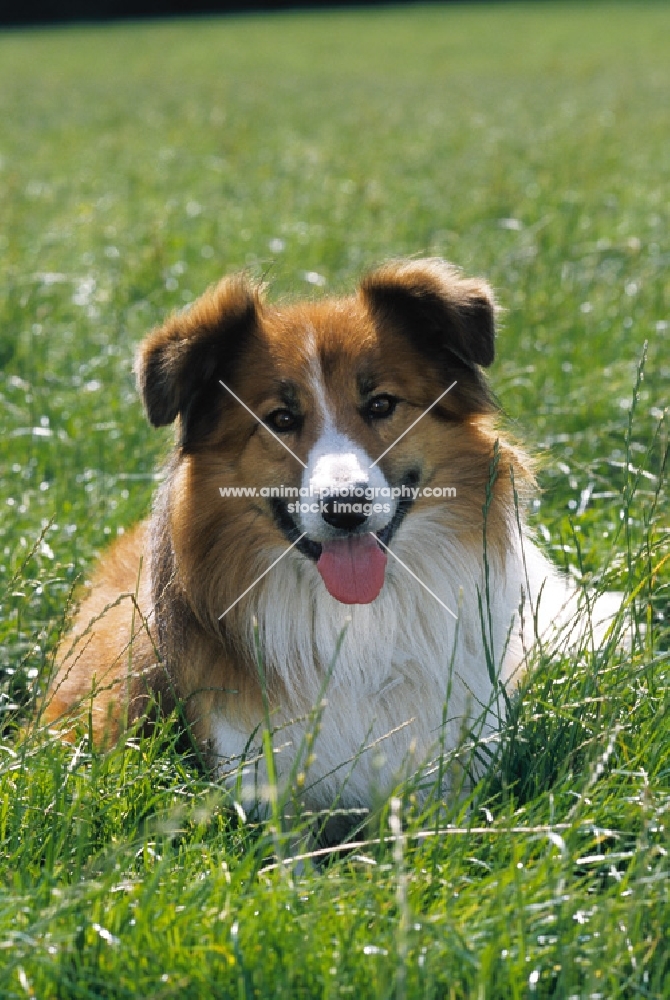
(283, 420)
(381, 406)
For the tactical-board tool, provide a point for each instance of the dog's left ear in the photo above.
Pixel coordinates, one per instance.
(446, 316)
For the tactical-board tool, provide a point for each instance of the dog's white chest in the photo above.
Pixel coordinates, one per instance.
(370, 692)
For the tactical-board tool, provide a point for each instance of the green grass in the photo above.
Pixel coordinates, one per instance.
(137, 164)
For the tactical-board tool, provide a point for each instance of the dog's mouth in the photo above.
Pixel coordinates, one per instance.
(353, 565)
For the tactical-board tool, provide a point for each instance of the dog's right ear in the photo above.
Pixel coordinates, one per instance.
(193, 348)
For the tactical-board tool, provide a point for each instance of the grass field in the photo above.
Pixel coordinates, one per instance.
(137, 164)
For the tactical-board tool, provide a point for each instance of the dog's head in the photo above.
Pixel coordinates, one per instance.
(340, 413)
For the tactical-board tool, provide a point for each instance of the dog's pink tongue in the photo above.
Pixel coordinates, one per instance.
(352, 568)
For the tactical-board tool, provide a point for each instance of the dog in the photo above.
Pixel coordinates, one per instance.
(376, 593)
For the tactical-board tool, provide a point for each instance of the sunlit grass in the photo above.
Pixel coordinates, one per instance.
(139, 163)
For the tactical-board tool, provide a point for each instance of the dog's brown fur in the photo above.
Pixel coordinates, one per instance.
(411, 330)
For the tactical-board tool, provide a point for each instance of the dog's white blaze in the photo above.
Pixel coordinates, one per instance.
(316, 380)
(336, 462)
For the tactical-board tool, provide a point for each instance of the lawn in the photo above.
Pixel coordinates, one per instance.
(139, 162)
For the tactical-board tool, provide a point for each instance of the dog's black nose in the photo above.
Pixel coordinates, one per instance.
(344, 511)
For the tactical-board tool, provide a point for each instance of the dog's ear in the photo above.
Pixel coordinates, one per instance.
(448, 317)
(193, 348)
